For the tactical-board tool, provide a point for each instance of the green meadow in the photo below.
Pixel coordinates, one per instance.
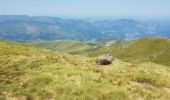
(63, 71)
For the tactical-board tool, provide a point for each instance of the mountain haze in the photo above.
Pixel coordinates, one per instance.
(28, 29)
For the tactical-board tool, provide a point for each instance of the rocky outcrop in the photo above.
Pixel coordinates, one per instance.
(105, 59)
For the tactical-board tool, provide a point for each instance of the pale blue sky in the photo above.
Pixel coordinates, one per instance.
(86, 8)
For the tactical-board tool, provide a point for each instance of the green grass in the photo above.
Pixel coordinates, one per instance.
(152, 49)
(32, 73)
(68, 46)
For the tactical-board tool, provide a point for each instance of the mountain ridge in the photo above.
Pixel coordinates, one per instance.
(29, 29)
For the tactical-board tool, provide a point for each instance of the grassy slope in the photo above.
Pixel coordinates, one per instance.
(147, 49)
(68, 46)
(33, 73)
(153, 49)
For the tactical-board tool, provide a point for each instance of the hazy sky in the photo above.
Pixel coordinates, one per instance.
(86, 8)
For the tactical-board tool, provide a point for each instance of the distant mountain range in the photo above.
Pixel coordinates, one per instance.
(29, 29)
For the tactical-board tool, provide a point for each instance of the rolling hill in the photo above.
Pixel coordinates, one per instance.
(151, 49)
(32, 73)
(68, 46)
